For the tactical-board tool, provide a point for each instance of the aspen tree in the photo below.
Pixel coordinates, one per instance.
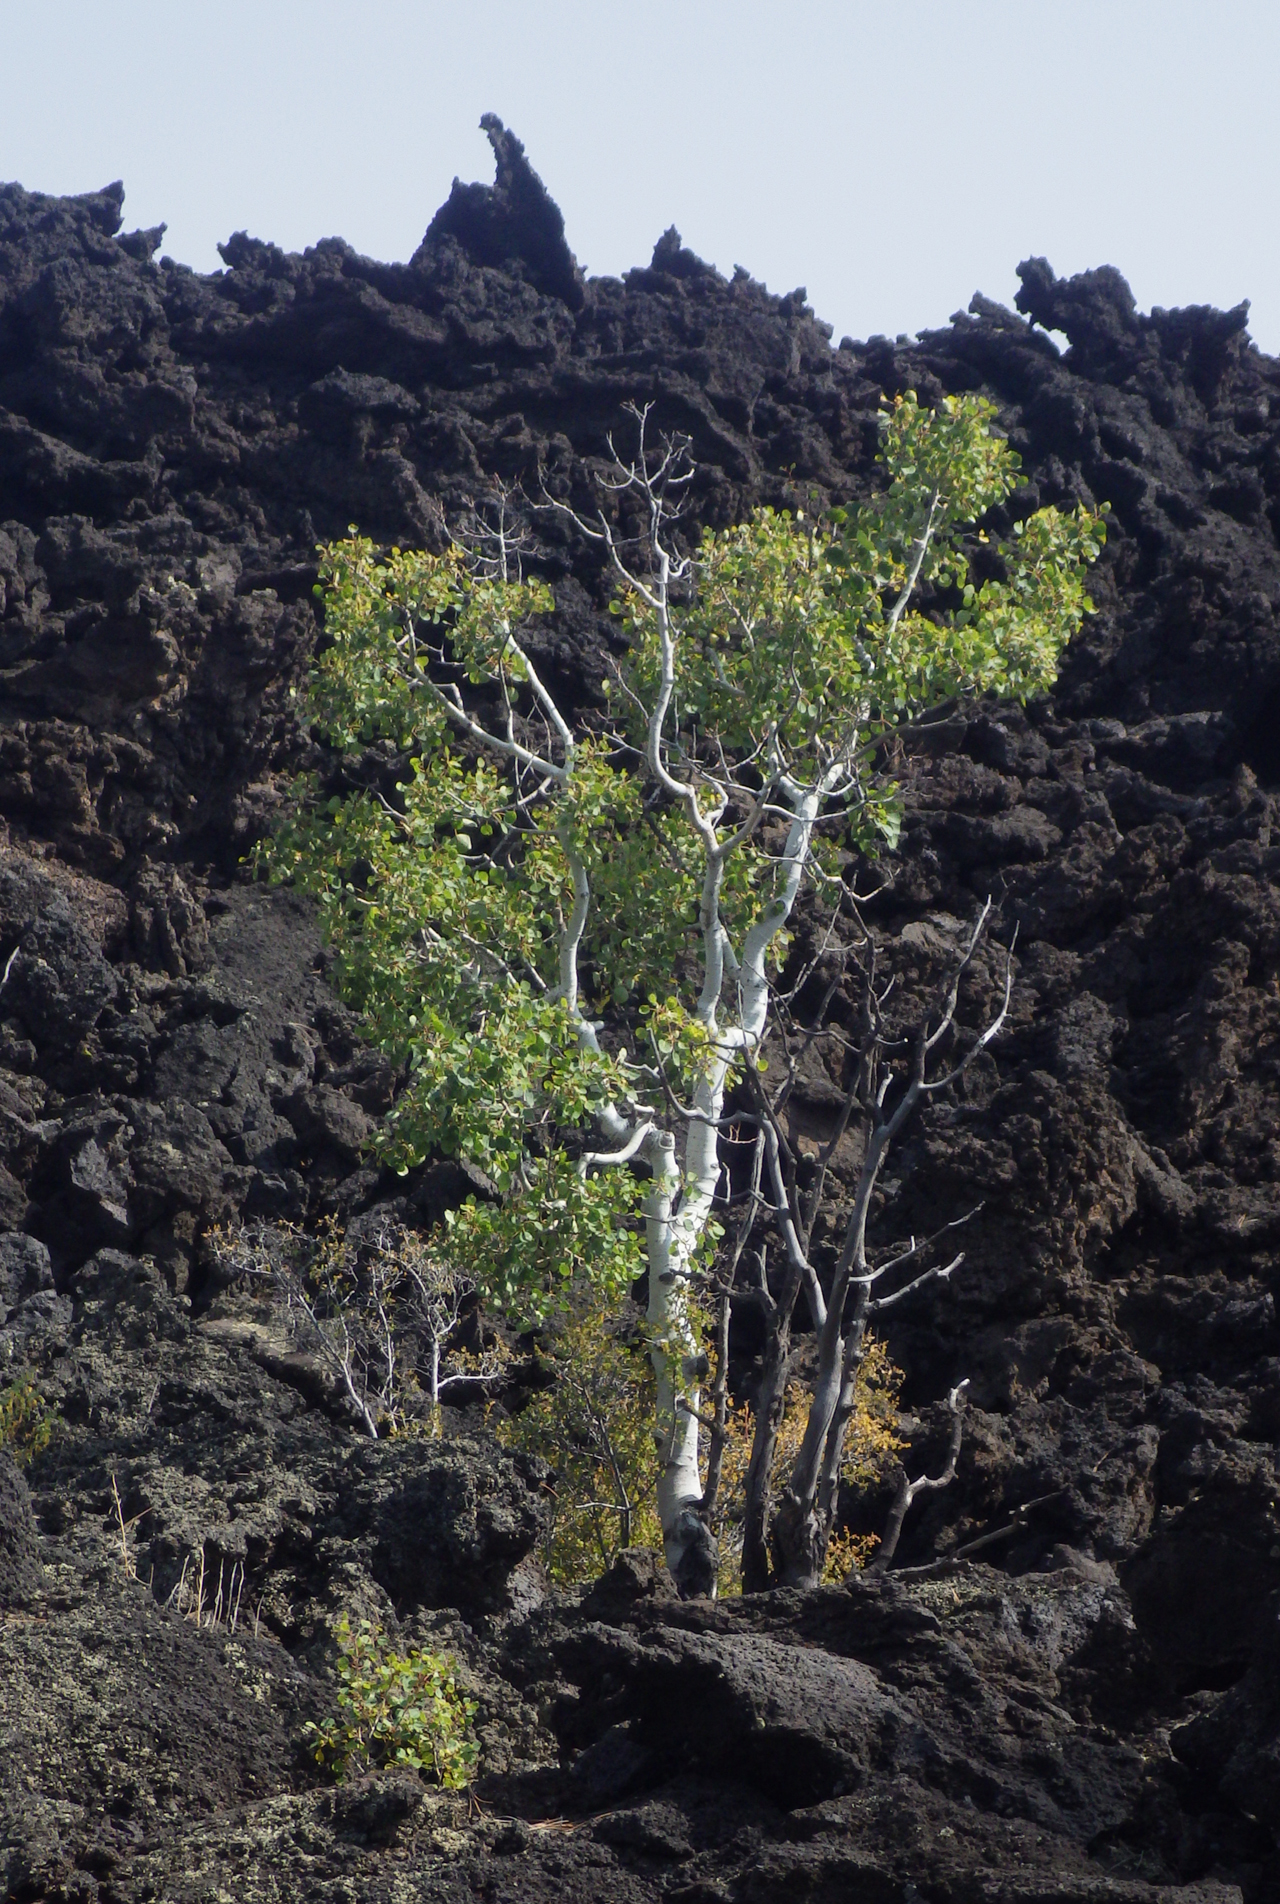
(573, 927)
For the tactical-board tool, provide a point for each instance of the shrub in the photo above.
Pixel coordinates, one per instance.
(395, 1709)
(25, 1423)
(379, 1315)
(594, 1424)
(869, 1451)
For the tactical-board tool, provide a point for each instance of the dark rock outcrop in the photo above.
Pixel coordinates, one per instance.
(19, 1549)
(1093, 1715)
(512, 224)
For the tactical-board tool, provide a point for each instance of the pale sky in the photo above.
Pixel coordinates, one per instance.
(891, 155)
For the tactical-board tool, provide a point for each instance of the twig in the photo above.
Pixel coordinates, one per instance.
(130, 1566)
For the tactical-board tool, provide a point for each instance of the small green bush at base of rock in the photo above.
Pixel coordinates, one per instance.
(25, 1422)
(395, 1709)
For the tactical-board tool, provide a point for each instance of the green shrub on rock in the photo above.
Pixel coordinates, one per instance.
(395, 1709)
(25, 1422)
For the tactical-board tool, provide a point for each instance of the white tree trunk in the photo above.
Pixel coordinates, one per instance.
(674, 1350)
(679, 1208)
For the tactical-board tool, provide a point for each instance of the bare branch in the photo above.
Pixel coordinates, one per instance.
(952, 993)
(786, 1222)
(908, 1490)
(917, 1245)
(957, 1560)
(917, 1282)
(512, 749)
(629, 1151)
(997, 1023)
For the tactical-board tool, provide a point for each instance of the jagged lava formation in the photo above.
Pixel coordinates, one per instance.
(1089, 1714)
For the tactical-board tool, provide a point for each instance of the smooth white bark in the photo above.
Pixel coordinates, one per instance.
(673, 1350)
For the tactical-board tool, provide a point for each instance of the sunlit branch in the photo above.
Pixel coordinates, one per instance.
(913, 573)
(627, 1154)
(917, 1282)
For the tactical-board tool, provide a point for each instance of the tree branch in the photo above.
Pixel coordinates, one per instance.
(908, 1490)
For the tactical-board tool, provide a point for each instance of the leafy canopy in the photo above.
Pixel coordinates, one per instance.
(450, 875)
(796, 628)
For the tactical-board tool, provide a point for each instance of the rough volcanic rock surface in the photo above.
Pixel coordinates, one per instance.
(19, 1549)
(1093, 1714)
